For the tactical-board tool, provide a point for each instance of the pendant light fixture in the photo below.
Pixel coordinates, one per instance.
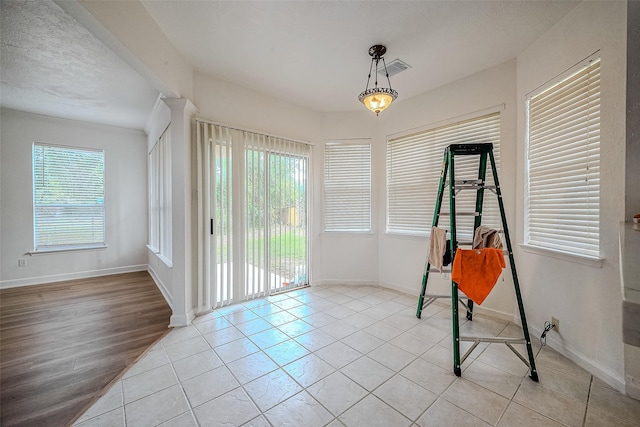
(377, 98)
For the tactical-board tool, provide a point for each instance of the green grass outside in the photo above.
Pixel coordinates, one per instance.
(286, 245)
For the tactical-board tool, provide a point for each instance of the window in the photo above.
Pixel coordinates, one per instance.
(347, 186)
(160, 197)
(414, 165)
(68, 197)
(563, 137)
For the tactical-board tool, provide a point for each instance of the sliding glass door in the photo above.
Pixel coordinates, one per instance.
(259, 227)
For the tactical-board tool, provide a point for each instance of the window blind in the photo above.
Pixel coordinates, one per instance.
(414, 165)
(68, 197)
(564, 164)
(347, 186)
(254, 213)
(275, 228)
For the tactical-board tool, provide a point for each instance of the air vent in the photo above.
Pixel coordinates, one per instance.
(394, 67)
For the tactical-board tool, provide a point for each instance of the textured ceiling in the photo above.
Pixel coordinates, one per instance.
(315, 54)
(52, 65)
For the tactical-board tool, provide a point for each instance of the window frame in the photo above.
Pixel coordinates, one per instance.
(532, 245)
(41, 248)
(160, 197)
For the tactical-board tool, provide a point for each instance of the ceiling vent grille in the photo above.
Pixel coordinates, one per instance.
(394, 67)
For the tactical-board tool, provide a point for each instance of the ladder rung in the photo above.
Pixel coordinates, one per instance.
(499, 340)
(465, 182)
(505, 251)
(474, 187)
(462, 213)
(501, 231)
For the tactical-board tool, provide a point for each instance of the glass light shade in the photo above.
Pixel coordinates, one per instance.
(378, 99)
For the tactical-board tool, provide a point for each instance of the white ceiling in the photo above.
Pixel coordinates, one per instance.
(311, 53)
(52, 65)
(315, 54)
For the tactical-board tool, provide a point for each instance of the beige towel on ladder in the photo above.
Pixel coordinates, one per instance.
(437, 247)
(486, 237)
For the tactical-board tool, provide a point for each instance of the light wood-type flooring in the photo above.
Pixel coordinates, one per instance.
(62, 343)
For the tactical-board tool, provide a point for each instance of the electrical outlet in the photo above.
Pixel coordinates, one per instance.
(22, 262)
(556, 322)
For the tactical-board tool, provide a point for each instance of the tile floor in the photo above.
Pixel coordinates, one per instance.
(352, 356)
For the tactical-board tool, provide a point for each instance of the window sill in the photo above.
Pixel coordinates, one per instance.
(66, 249)
(584, 260)
(166, 261)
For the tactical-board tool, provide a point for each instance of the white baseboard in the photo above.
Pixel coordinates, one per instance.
(177, 320)
(611, 378)
(333, 282)
(163, 289)
(180, 320)
(413, 292)
(29, 281)
(631, 387)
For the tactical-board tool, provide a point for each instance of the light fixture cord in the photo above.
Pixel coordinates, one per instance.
(377, 59)
(385, 71)
(369, 78)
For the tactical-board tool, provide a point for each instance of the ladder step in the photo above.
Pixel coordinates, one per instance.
(470, 184)
(465, 182)
(469, 149)
(474, 187)
(462, 213)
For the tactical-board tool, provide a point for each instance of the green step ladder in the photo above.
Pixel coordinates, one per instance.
(448, 175)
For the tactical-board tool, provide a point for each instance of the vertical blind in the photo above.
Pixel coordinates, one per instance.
(222, 214)
(564, 164)
(252, 214)
(68, 197)
(275, 194)
(414, 165)
(347, 186)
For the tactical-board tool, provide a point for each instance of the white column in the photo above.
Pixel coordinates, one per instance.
(182, 197)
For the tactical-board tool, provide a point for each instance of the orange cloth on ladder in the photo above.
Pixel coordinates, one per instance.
(476, 271)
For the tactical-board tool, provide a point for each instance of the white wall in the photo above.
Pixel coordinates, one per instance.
(125, 198)
(349, 258)
(236, 106)
(586, 299)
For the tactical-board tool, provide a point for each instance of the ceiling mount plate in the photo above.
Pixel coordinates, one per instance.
(377, 51)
